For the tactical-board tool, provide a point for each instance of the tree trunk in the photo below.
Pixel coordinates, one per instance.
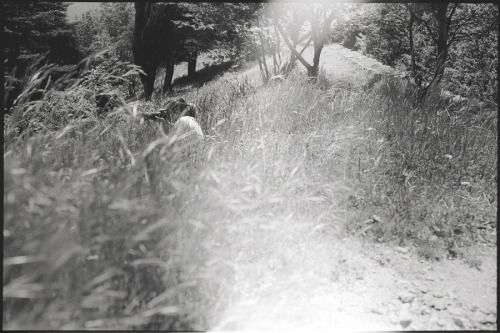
(263, 51)
(148, 81)
(294, 52)
(192, 63)
(443, 27)
(442, 42)
(413, 67)
(154, 39)
(313, 71)
(169, 74)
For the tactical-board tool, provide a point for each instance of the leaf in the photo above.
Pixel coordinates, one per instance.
(144, 235)
(106, 275)
(21, 260)
(23, 288)
(167, 310)
(170, 293)
(150, 262)
(64, 131)
(125, 147)
(220, 122)
(197, 224)
(377, 161)
(89, 172)
(365, 229)
(93, 301)
(68, 254)
(294, 171)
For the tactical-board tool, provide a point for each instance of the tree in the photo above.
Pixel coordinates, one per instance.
(317, 18)
(36, 33)
(447, 24)
(455, 47)
(218, 28)
(109, 27)
(437, 19)
(34, 28)
(154, 39)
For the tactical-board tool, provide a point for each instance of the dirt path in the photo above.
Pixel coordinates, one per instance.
(304, 278)
(298, 275)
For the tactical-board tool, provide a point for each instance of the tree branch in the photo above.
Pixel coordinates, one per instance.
(303, 38)
(292, 49)
(306, 46)
(429, 28)
(451, 15)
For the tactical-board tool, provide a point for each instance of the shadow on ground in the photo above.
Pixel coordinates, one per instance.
(204, 75)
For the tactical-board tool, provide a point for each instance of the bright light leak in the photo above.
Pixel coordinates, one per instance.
(288, 280)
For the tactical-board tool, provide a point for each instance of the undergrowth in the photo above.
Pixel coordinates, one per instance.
(431, 171)
(110, 223)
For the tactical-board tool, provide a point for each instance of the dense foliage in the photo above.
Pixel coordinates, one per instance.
(110, 27)
(165, 34)
(382, 31)
(34, 28)
(35, 32)
(220, 29)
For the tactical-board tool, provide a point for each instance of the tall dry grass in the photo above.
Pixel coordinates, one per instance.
(112, 224)
(430, 171)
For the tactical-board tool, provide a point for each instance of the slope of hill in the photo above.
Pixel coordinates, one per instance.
(284, 217)
(301, 273)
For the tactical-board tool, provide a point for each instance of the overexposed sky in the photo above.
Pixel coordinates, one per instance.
(76, 9)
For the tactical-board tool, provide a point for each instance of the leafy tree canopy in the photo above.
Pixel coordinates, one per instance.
(34, 28)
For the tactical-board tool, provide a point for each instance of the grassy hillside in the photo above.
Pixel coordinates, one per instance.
(111, 224)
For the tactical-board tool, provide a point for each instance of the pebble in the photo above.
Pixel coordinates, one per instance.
(406, 297)
(441, 322)
(402, 249)
(450, 327)
(461, 322)
(403, 281)
(423, 289)
(437, 295)
(434, 320)
(425, 310)
(455, 311)
(405, 317)
(452, 295)
(485, 319)
(393, 318)
(427, 299)
(377, 310)
(439, 305)
(488, 311)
